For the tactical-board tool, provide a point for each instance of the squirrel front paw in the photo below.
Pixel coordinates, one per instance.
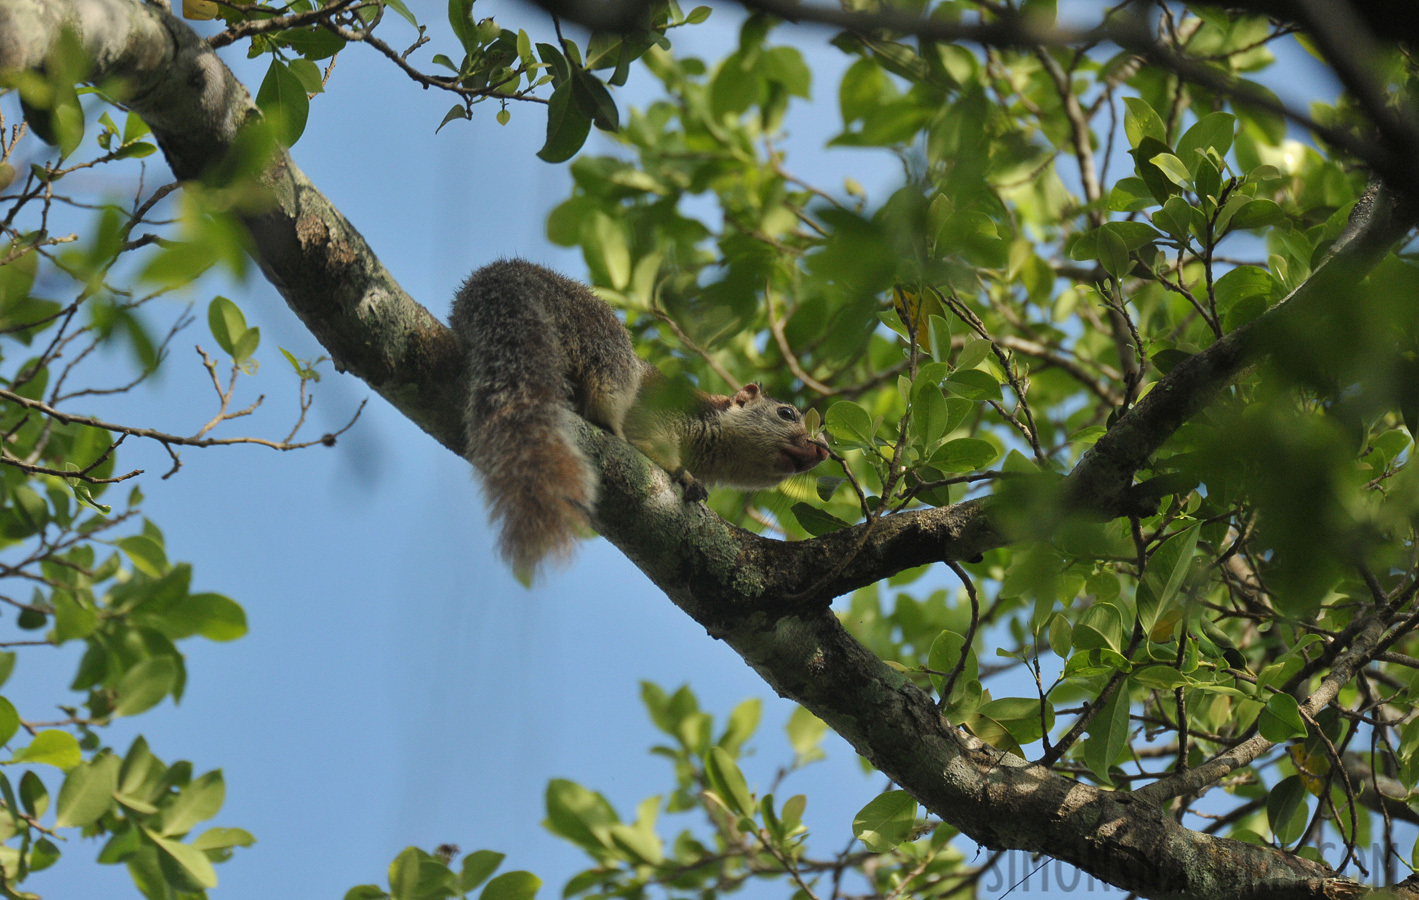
(693, 490)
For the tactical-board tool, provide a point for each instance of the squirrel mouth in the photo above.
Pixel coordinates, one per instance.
(801, 458)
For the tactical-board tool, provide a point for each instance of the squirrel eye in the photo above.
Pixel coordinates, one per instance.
(788, 413)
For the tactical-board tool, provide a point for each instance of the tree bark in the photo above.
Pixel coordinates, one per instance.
(767, 599)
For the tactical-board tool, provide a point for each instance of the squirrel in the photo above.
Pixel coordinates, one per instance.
(543, 348)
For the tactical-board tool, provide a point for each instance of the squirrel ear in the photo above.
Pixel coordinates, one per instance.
(747, 394)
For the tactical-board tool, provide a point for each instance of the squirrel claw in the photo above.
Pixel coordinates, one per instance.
(694, 491)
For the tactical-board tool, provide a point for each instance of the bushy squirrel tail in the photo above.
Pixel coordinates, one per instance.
(521, 425)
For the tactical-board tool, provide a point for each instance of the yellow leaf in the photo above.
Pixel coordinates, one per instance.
(199, 9)
(916, 312)
(1310, 768)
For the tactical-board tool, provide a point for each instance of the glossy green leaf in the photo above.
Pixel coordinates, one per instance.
(886, 821)
(1163, 578)
(964, 455)
(282, 100)
(1140, 121)
(1281, 719)
(1108, 734)
(929, 413)
(973, 384)
(567, 126)
(1173, 169)
(816, 521)
(850, 425)
(1286, 810)
(1213, 131)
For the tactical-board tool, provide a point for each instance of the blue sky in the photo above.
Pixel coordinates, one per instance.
(398, 686)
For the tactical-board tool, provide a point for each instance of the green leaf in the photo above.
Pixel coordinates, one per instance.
(640, 844)
(743, 722)
(282, 100)
(1257, 214)
(1130, 194)
(1163, 577)
(608, 250)
(964, 455)
(886, 821)
(567, 126)
(1242, 283)
(221, 838)
(1286, 809)
(579, 815)
(929, 413)
(594, 100)
(1140, 121)
(404, 874)
(512, 886)
(1213, 131)
(1099, 626)
(726, 779)
(972, 354)
(72, 619)
(246, 345)
(477, 866)
(460, 19)
(87, 792)
(943, 656)
(816, 521)
(309, 75)
(52, 748)
(227, 323)
(850, 425)
(215, 617)
(1173, 168)
(146, 554)
(1060, 634)
(456, 111)
(399, 7)
(9, 721)
(1020, 716)
(1281, 720)
(1132, 235)
(191, 861)
(198, 801)
(34, 796)
(1108, 734)
(972, 384)
(805, 733)
(1158, 184)
(145, 685)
